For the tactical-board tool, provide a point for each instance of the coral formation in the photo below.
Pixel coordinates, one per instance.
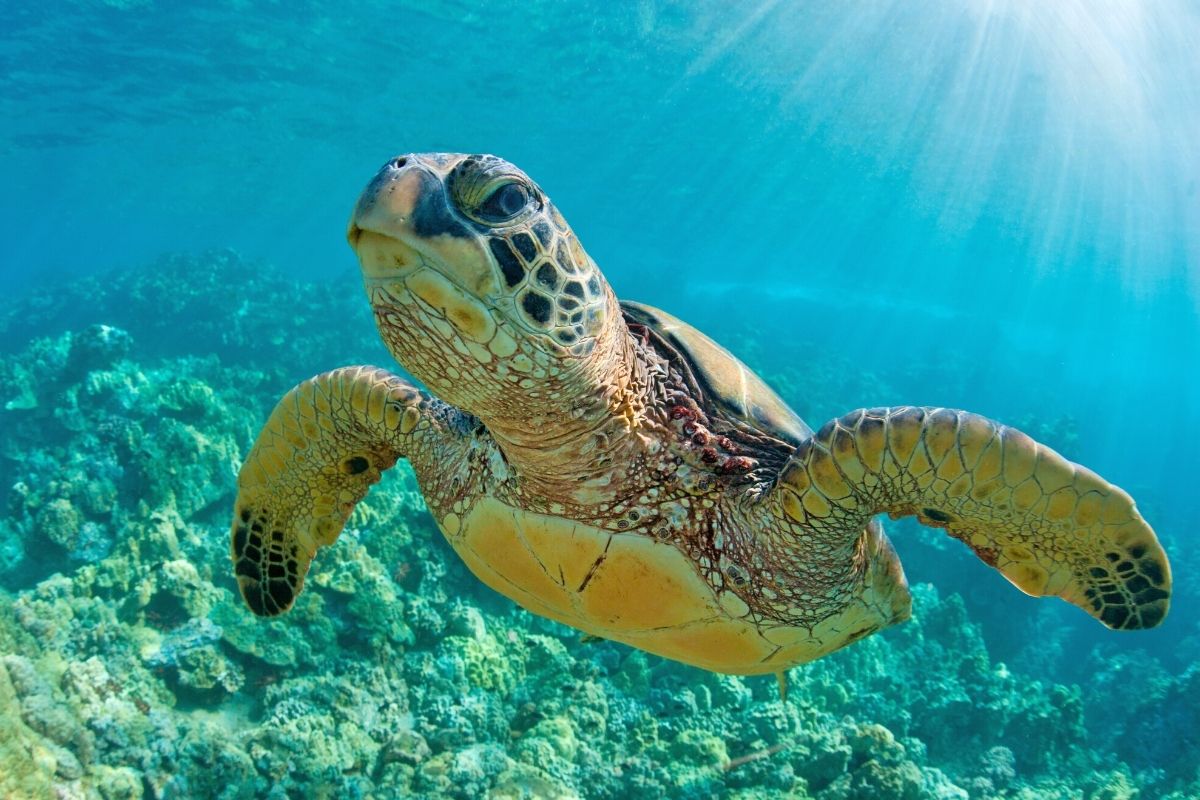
(131, 668)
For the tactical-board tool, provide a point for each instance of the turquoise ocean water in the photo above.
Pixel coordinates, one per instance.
(983, 205)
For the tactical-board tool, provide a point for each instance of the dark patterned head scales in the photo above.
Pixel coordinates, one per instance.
(469, 250)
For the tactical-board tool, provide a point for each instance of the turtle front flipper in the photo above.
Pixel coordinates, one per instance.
(1050, 526)
(327, 441)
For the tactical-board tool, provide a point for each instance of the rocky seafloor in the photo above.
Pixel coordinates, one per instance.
(129, 667)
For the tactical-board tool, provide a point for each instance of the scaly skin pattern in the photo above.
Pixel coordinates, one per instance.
(581, 465)
(1050, 526)
(325, 444)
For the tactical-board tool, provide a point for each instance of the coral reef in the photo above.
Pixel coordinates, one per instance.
(131, 669)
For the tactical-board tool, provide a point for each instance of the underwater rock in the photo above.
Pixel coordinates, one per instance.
(1045, 733)
(362, 599)
(302, 744)
(197, 664)
(132, 668)
(65, 740)
(12, 548)
(878, 767)
(525, 782)
(465, 620)
(117, 783)
(405, 747)
(998, 767)
(423, 618)
(34, 378)
(486, 663)
(699, 746)
(307, 638)
(826, 758)
(939, 787)
(64, 524)
(1112, 786)
(178, 590)
(551, 746)
(465, 774)
(27, 761)
(98, 347)
(59, 522)
(1171, 724)
(210, 764)
(872, 780)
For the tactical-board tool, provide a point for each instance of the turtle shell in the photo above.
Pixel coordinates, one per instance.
(726, 382)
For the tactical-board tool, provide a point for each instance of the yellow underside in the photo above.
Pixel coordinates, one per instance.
(633, 589)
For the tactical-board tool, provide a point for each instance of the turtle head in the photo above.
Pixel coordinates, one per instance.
(476, 280)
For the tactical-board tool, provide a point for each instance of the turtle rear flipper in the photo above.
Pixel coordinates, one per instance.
(326, 443)
(1049, 526)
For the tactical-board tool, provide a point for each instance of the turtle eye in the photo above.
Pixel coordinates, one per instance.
(505, 201)
(491, 191)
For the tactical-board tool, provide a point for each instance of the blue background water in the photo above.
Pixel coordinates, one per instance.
(997, 205)
(1025, 173)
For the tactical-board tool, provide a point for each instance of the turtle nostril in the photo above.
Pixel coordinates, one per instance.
(397, 163)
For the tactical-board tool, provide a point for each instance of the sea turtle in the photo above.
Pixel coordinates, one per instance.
(608, 466)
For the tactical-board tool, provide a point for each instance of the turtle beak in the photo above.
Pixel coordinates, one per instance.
(407, 198)
(404, 220)
(391, 198)
(381, 227)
